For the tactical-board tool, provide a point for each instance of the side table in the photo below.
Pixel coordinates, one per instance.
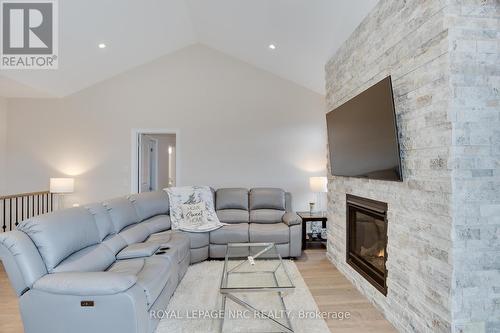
(310, 217)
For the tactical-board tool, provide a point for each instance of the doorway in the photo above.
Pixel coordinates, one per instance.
(148, 156)
(155, 161)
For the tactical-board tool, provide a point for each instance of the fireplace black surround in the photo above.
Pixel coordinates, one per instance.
(366, 249)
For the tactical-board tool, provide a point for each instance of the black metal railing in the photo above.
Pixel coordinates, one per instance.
(19, 207)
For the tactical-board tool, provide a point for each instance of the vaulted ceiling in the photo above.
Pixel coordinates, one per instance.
(305, 32)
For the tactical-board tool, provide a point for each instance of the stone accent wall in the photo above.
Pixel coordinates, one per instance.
(474, 37)
(450, 162)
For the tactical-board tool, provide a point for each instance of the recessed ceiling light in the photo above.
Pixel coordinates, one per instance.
(272, 46)
(102, 45)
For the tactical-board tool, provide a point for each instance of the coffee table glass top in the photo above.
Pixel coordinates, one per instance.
(254, 267)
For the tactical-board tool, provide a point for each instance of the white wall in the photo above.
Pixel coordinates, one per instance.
(238, 126)
(3, 145)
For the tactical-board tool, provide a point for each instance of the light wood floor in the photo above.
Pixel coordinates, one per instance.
(334, 293)
(10, 319)
(331, 290)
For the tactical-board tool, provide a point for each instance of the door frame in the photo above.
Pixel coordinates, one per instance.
(134, 166)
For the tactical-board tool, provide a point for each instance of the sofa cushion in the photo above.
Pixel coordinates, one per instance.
(233, 216)
(267, 198)
(197, 239)
(231, 198)
(58, 235)
(85, 284)
(102, 219)
(129, 266)
(160, 237)
(157, 223)
(277, 233)
(135, 233)
(266, 216)
(115, 243)
(122, 213)
(152, 274)
(149, 204)
(95, 258)
(234, 233)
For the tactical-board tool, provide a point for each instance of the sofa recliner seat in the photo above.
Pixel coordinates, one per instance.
(105, 266)
(233, 233)
(152, 274)
(277, 233)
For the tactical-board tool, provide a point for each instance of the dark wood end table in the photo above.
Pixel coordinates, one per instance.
(310, 217)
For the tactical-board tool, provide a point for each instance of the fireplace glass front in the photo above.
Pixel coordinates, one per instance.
(367, 239)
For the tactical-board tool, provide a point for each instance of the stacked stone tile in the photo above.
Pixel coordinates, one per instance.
(474, 37)
(444, 219)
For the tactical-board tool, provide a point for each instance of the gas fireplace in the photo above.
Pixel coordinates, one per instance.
(366, 249)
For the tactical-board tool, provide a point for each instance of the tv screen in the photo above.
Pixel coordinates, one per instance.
(363, 136)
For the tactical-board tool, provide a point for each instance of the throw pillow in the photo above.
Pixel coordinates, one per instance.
(192, 195)
(194, 214)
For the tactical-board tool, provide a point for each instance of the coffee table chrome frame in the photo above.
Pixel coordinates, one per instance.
(230, 292)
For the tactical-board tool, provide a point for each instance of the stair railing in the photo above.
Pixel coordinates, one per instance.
(19, 207)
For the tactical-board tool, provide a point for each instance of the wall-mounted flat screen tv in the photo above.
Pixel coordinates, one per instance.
(363, 136)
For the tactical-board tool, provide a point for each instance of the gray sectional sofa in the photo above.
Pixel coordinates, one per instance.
(105, 266)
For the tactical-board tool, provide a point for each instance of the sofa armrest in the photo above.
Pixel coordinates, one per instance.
(291, 218)
(85, 283)
(138, 250)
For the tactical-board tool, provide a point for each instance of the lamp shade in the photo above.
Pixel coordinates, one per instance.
(318, 184)
(62, 185)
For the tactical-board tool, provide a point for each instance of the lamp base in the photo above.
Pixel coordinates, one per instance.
(311, 207)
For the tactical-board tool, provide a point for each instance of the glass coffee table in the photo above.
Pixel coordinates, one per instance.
(251, 268)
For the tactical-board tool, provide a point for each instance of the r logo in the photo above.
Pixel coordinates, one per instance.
(29, 34)
(27, 28)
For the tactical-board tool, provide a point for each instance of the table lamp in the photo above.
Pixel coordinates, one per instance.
(318, 185)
